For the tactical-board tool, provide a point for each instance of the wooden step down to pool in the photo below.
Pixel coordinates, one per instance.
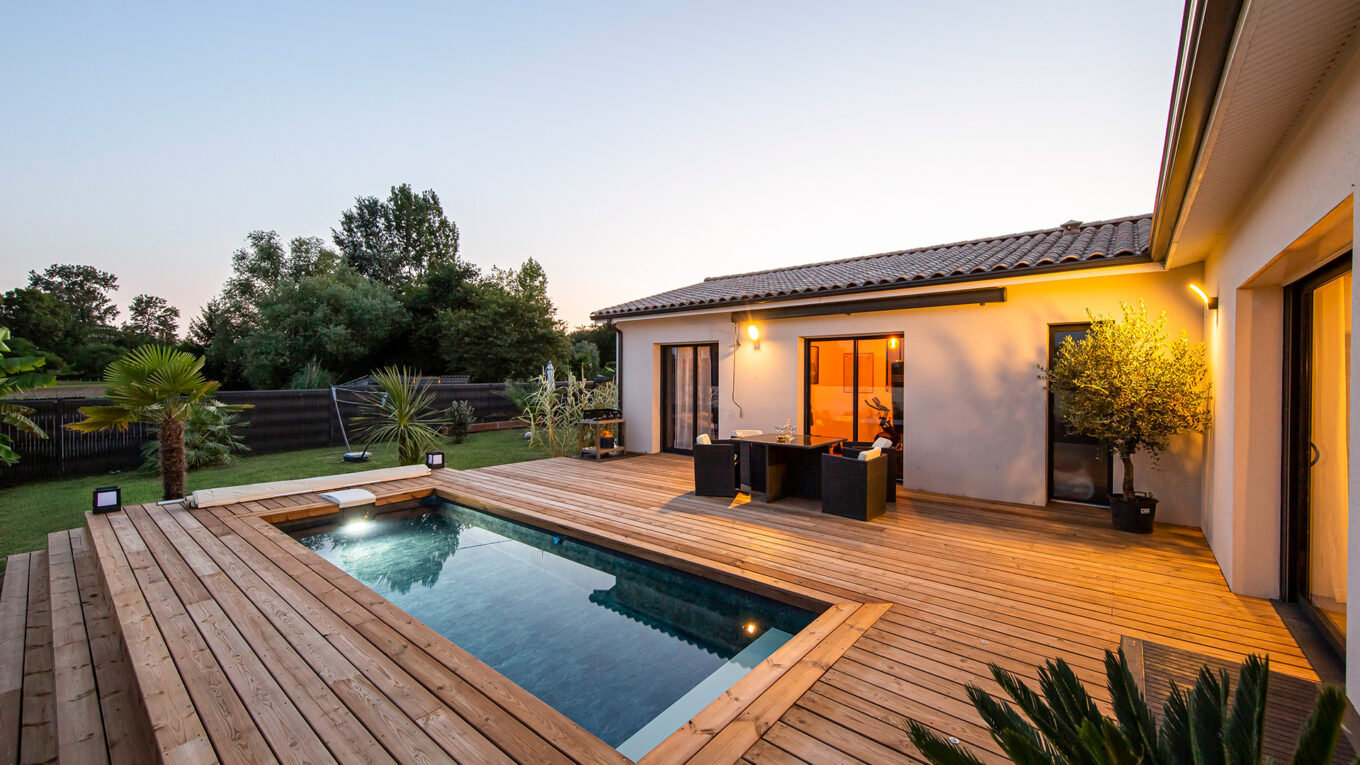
(66, 690)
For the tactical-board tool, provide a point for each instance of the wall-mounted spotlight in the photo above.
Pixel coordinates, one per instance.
(753, 332)
(1209, 302)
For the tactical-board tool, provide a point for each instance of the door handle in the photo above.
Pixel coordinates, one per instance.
(1316, 454)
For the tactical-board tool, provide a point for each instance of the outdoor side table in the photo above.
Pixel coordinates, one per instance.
(597, 429)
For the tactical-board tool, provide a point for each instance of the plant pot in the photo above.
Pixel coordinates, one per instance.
(1135, 517)
(606, 442)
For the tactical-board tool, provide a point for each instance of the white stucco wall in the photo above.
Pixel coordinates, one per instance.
(1314, 173)
(975, 411)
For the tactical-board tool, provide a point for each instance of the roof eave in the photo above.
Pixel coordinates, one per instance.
(1207, 30)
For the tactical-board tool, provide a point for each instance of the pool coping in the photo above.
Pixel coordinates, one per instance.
(724, 729)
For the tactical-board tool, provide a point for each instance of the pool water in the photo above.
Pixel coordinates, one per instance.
(628, 649)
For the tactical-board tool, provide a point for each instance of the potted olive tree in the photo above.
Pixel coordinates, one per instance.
(1131, 388)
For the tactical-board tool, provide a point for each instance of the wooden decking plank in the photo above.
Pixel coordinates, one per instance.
(13, 627)
(79, 720)
(126, 729)
(176, 726)
(229, 725)
(37, 732)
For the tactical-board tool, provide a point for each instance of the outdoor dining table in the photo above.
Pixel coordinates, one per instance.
(779, 469)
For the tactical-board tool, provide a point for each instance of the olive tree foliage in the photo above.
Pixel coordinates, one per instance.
(1129, 386)
(394, 240)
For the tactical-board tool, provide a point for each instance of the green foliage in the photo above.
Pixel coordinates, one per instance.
(310, 377)
(1128, 386)
(510, 329)
(602, 336)
(392, 241)
(68, 311)
(341, 320)
(210, 438)
(553, 412)
(404, 415)
(151, 319)
(85, 290)
(18, 374)
(159, 385)
(461, 416)
(585, 359)
(1061, 725)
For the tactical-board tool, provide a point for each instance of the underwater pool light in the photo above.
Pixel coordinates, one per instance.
(750, 628)
(357, 527)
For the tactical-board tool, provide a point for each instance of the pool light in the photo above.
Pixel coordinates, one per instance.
(357, 527)
(750, 628)
(106, 500)
(434, 460)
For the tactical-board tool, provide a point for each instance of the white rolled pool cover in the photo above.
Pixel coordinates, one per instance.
(229, 495)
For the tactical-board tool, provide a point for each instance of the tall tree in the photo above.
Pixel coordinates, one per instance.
(42, 319)
(85, 290)
(397, 239)
(151, 319)
(510, 331)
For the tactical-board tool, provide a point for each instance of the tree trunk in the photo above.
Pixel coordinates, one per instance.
(1128, 476)
(174, 464)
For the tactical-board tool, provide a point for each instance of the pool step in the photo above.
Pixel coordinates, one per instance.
(65, 687)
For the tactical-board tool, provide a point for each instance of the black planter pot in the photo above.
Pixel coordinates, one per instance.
(1135, 517)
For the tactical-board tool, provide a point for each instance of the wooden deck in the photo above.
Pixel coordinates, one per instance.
(204, 635)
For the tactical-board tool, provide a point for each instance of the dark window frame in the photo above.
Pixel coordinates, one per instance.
(667, 435)
(887, 371)
(1049, 440)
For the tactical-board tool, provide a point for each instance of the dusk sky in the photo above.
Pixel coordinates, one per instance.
(629, 147)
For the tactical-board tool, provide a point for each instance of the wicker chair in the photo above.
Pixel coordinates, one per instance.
(894, 467)
(852, 487)
(716, 469)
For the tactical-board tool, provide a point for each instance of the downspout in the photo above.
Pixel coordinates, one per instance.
(732, 392)
(618, 364)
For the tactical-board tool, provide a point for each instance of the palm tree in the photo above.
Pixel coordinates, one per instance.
(404, 414)
(18, 374)
(1198, 727)
(158, 385)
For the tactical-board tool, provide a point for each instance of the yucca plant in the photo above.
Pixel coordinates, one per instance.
(18, 374)
(159, 385)
(1064, 727)
(461, 416)
(403, 414)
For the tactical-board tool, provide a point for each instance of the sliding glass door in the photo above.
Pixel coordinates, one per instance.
(1079, 468)
(1318, 498)
(689, 395)
(853, 387)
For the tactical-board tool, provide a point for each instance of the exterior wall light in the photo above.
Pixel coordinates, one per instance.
(434, 460)
(753, 332)
(106, 500)
(1210, 302)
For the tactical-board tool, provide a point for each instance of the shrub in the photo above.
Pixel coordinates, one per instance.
(461, 416)
(210, 439)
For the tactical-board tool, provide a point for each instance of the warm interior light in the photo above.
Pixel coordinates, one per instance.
(750, 628)
(892, 342)
(753, 332)
(1202, 296)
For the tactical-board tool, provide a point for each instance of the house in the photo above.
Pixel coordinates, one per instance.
(1248, 249)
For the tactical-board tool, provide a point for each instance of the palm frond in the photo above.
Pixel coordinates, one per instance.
(1317, 742)
(1207, 714)
(1244, 736)
(936, 749)
(1130, 708)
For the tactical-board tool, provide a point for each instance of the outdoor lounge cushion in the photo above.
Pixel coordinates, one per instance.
(350, 497)
(232, 494)
(870, 454)
(880, 443)
(703, 439)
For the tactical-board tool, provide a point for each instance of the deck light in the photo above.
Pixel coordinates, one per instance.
(1209, 302)
(434, 460)
(107, 499)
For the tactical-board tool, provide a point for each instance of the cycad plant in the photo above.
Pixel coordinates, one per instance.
(403, 414)
(18, 374)
(159, 385)
(1198, 728)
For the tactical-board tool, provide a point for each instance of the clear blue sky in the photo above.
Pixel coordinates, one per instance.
(629, 147)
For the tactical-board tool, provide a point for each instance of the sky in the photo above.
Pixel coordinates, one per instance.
(629, 147)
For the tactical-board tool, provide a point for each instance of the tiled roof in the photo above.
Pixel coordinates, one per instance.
(1109, 242)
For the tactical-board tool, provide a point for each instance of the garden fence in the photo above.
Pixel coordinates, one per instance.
(278, 421)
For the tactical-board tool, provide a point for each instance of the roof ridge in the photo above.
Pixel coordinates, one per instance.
(961, 242)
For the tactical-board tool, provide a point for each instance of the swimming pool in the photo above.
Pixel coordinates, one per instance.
(627, 649)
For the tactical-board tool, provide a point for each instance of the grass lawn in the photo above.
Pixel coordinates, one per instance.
(29, 512)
